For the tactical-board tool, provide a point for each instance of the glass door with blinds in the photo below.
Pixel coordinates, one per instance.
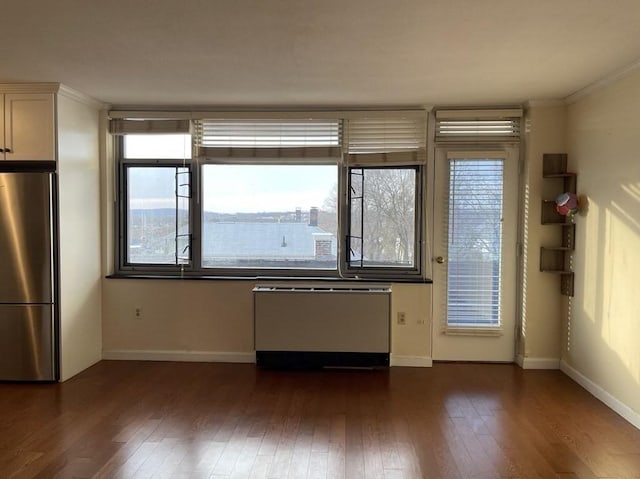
(475, 255)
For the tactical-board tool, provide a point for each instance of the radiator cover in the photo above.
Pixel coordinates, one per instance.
(312, 326)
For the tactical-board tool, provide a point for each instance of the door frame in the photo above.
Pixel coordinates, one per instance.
(473, 345)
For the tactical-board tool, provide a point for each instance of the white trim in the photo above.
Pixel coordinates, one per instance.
(478, 332)
(29, 87)
(183, 356)
(478, 114)
(603, 82)
(537, 363)
(78, 96)
(411, 361)
(196, 114)
(53, 88)
(618, 406)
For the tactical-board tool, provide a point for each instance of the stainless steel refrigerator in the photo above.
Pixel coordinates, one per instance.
(29, 335)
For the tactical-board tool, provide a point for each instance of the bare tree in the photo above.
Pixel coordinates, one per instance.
(382, 211)
(475, 223)
(328, 213)
(389, 215)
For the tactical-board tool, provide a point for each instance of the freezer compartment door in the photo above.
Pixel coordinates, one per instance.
(27, 343)
(26, 252)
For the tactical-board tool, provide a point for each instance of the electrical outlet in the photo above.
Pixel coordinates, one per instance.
(137, 313)
(402, 318)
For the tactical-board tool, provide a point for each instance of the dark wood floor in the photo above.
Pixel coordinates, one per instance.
(200, 420)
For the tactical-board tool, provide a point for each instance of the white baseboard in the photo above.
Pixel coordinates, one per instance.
(618, 406)
(185, 356)
(411, 361)
(537, 363)
(226, 357)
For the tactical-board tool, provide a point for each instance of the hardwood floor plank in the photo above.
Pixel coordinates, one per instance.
(318, 465)
(301, 456)
(205, 463)
(337, 443)
(247, 459)
(284, 451)
(373, 468)
(13, 462)
(408, 459)
(129, 420)
(354, 449)
(513, 439)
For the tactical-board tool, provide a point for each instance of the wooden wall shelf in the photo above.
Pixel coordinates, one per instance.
(557, 259)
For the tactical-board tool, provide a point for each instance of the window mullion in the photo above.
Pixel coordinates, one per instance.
(183, 182)
(196, 215)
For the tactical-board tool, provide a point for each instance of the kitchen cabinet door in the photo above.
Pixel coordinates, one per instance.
(29, 127)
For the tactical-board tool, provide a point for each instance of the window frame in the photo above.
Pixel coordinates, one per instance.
(195, 269)
(414, 272)
(260, 272)
(121, 230)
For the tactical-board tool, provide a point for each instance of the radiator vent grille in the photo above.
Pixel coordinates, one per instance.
(322, 319)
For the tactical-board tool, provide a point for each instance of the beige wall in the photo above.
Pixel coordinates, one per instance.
(541, 302)
(414, 338)
(216, 316)
(80, 272)
(190, 315)
(603, 340)
(211, 317)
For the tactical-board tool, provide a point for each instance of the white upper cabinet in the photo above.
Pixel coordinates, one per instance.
(27, 126)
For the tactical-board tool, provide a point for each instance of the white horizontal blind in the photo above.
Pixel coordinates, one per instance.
(474, 243)
(268, 138)
(478, 125)
(400, 140)
(143, 126)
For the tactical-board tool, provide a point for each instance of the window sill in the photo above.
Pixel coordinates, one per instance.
(479, 331)
(192, 277)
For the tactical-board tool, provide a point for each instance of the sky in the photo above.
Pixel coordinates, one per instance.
(250, 188)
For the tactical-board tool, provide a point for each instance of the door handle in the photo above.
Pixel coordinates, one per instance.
(441, 260)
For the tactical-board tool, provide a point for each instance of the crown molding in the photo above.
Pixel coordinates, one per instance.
(603, 82)
(29, 87)
(197, 112)
(53, 88)
(80, 97)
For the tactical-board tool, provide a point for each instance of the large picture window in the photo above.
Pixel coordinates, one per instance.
(269, 198)
(269, 216)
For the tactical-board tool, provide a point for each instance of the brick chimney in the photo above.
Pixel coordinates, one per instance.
(322, 246)
(313, 216)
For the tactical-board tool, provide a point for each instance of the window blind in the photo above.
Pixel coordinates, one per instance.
(478, 125)
(400, 140)
(121, 126)
(216, 138)
(474, 243)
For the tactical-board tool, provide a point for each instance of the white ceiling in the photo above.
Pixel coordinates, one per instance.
(293, 53)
